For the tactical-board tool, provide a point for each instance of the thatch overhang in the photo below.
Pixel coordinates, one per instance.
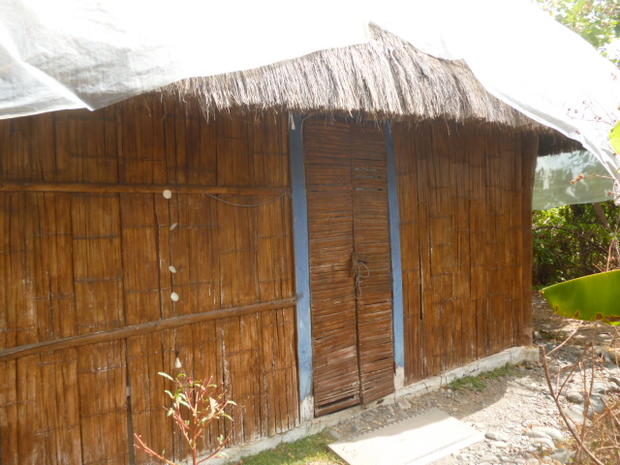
(385, 78)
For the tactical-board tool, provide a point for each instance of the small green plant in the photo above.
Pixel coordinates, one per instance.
(478, 383)
(473, 383)
(195, 406)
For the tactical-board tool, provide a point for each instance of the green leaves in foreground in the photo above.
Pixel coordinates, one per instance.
(594, 297)
(614, 137)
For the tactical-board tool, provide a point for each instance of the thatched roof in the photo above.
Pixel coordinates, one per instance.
(384, 78)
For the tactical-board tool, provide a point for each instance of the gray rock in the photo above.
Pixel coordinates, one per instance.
(403, 404)
(596, 406)
(499, 444)
(496, 436)
(562, 456)
(574, 397)
(615, 380)
(575, 413)
(611, 358)
(533, 433)
(544, 443)
(552, 433)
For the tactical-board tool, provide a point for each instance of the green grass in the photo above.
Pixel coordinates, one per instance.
(479, 383)
(307, 451)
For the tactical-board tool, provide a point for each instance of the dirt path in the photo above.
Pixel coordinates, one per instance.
(512, 407)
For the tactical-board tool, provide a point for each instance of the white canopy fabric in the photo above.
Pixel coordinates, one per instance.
(570, 178)
(66, 54)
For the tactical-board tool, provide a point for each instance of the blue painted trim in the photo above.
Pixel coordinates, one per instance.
(302, 263)
(397, 269)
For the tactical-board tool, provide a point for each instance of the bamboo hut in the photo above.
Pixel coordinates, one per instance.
(314, 234)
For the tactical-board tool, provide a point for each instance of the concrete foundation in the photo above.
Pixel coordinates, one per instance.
(513, 356)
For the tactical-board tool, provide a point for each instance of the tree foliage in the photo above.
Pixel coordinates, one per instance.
(574, 241)
(578, 240)
(597, 21)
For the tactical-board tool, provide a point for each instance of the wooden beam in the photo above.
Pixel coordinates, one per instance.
(142, 328)
(16, 186)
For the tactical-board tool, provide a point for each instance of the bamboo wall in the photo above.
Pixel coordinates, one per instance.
(86, 242)
(87, 239)
(465, 210)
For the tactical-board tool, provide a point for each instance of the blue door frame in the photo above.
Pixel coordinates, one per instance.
(302, 265)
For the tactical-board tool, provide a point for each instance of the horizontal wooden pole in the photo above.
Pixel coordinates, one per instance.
(16, 186)
(142, 328)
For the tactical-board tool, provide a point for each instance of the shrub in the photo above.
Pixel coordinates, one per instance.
(574, 241)
(195, 406)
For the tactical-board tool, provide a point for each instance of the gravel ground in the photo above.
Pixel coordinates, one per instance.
(515, 411)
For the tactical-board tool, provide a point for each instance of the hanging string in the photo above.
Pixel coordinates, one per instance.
(248, 205)
(360, 271)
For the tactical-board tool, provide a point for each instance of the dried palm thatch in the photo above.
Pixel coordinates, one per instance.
(384, 78)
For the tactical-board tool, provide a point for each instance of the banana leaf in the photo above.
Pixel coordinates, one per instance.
(614, 137)
(595, 297)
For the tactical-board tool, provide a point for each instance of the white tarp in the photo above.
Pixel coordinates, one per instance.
(531, 62)
(570, 178)
(66, 54)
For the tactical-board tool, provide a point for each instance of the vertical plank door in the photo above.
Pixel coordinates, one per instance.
(350, 274)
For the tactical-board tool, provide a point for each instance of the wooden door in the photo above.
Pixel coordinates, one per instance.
(350, 268)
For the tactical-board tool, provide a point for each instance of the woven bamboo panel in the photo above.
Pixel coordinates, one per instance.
(465, 209)
(80, 259)
(348, 223)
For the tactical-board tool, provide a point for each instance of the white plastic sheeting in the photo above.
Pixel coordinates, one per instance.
(66, 54)
(570, 178)
(531, 62)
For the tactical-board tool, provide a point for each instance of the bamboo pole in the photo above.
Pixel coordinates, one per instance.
(142, 328)
(136, 188)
